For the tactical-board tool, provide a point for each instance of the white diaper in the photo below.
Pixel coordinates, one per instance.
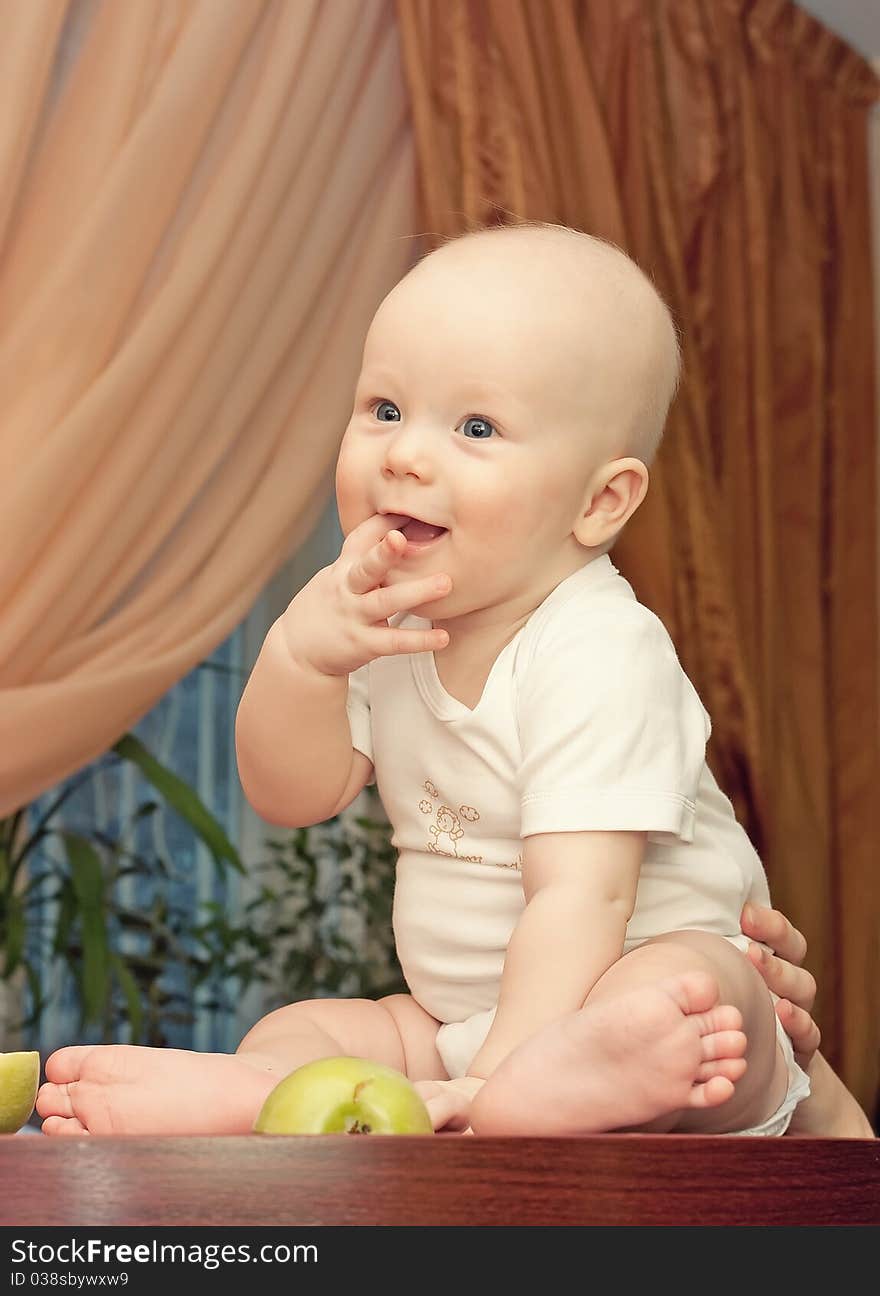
(798, 1089)
(459, 1042)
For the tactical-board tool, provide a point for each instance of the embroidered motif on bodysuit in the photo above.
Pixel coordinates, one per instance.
(447, 830)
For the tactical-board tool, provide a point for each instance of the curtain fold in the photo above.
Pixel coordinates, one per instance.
(202, 202)
(723, 144)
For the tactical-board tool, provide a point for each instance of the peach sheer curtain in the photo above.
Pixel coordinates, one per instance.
(201, 204)
(723, 143)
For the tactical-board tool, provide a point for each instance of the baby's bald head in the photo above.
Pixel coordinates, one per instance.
(612, 344)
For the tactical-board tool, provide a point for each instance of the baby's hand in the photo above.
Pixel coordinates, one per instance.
(339, 621)
(449, 1102)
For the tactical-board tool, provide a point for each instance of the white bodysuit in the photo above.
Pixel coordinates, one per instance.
(586, 722)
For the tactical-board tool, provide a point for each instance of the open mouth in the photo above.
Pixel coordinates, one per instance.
(421, 533)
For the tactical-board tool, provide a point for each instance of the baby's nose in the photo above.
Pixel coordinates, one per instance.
(408, 455)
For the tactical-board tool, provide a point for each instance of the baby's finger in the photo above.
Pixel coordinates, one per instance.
(773, 928)
(371, 565)
(383, 603)
(367, 534)
(449, 1111)
(783, 978)
(369, 571)
(393, 642)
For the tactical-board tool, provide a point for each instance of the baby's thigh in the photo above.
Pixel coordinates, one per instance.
(684, 951)
(417, 1031)
(739, 983)
(395, 1031)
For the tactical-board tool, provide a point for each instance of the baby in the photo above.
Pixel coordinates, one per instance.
(570, 877)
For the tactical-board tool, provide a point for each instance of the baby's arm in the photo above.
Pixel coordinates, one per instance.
(292, 736)
(580, 890)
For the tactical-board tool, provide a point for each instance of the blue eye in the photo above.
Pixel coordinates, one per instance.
(483, 429)
(391, 406)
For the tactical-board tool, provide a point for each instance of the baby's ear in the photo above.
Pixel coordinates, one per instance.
(615, 492)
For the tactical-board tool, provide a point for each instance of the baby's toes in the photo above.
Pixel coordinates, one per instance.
(731, 1068)
(723, 1044)
(66, 1063)
(62, 1127)
(86, 1107)
(718, 1020)
(712, 1093)
(54, 1100)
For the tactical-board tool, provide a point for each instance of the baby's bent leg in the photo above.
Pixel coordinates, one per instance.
(123, 1089)
(762, 1089)
(395, 1030)
(658, 1045)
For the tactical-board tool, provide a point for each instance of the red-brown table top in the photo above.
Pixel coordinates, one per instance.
(261, 1180)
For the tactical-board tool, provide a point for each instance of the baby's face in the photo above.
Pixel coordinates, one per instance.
(469, 413)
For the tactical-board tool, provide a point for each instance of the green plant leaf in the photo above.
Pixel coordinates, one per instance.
(131, 991)
(181, 798)
(88, 885)
(15, 933)
(9, 831)
(41, 830)
(66, 916)
(38, 1001)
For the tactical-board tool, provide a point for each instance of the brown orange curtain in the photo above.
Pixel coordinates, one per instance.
(202, 202)
(723, 143)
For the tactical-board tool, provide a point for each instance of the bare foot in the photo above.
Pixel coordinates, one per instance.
(619, 1063)
(126, 1089)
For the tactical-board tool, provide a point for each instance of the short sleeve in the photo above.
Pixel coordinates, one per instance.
(612, 731)
(358, 707)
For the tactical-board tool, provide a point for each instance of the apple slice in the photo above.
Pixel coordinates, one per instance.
(343, 1095)
(19, 1082)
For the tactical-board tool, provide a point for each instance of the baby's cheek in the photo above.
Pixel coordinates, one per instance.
(350, 496)
(345, 507)
(504, 521)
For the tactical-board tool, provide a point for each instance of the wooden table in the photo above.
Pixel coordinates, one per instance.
(331, 1180)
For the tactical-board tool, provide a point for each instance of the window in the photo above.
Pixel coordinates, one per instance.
(191, 731)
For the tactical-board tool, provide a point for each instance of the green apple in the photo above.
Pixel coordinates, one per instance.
(344, 1095)
(19, 1081)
